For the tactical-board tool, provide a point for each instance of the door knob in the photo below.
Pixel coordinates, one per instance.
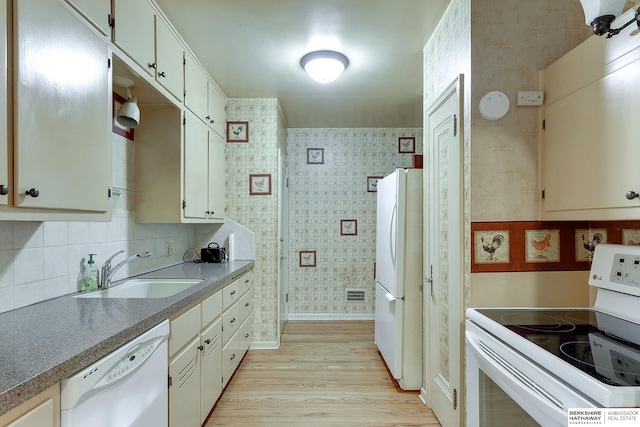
(33, 192)
(4, 190)
(632, 195)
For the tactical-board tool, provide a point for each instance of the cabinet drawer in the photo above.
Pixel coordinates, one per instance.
(245, 306)
(183, 329)
(230, 359)
(230, 294)
(246, 334)
(230, 322)
(211, 308)
(246, 282)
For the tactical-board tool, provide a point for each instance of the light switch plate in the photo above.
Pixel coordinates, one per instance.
(530, 98)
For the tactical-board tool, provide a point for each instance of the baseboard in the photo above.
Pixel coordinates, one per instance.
(331, 316)
(424, 398)
(265, 345)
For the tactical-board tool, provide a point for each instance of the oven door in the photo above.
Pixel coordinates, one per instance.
(504, 388)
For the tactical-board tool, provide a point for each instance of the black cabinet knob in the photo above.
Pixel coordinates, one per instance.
(33, 192)
(151, 65)
(4, 190)
(162, 74)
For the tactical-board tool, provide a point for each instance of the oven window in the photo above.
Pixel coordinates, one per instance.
(497, 409)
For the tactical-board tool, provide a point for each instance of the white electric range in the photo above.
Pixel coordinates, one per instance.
(530, 366)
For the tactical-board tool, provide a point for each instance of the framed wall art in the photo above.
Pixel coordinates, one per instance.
(407, 144)
(348, 227)
(260, 184)
(307, 258)
(115, 126)
(237, 131)
(315, 156)
(372, 183)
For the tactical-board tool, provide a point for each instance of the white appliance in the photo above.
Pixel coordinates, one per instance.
(398, 317)
(531, 366)
(127, 388)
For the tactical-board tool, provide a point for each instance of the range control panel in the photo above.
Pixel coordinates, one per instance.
(616, 267)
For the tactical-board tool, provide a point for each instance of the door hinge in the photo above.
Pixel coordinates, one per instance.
(542, 194)
(430, 280)
(184, 93)
(544, 124)
(184, 120)
(286, 297)
(184, 204)
(455, 125)
(108, 193)
(455, 399)
(111, 21)
(169, 382)
(108, 63)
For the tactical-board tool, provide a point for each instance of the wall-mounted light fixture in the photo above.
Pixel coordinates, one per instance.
(324, 66)
(600, 14)
(129, 113)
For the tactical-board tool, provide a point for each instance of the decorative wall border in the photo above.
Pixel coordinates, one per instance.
(544, 245)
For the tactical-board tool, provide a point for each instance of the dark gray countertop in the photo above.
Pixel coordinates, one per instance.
(44, 343)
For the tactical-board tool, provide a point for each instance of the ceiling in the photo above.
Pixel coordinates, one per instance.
(252, 49)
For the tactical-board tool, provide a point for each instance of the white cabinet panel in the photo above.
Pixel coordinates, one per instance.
(211, 369)
(196, 166)
(216, 106)
(183, 329)
(216, 182)
(134, 32)
(169, 60)
(62, 107)
(4, 140)
(184, 392)
(195, 85)
(98, 12)
(42, 410)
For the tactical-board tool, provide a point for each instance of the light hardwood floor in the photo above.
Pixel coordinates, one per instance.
(326, 373)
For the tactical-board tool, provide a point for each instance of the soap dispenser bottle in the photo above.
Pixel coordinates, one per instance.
(91, 275)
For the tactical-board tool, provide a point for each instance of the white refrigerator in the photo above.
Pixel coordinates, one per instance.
(398, 317)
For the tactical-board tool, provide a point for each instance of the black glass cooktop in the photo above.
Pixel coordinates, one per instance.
(601, 345)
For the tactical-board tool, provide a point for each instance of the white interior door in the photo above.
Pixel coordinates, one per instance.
(283, 231)
(444, 253)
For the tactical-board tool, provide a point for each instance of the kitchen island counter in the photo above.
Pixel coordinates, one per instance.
(49, 341)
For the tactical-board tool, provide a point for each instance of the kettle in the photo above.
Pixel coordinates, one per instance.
(212, 254)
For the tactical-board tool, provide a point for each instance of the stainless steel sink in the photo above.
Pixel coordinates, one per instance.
(144, 288)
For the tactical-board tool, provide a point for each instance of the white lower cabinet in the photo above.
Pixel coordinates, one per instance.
(206, 346)
(184, 387)
(42, 410)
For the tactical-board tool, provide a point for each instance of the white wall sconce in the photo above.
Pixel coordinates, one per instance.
(600, 14)
(324, 66)
(129, 113)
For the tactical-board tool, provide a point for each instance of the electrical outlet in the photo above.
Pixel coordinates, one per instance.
(168, 249)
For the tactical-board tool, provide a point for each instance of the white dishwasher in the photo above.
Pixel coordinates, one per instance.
(127, 388)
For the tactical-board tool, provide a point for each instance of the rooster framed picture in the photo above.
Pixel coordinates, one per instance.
(260, 184)
(237, 131)
(586, 240)
(542, 245)
(315, 156)
(492, 247)
(407, 144)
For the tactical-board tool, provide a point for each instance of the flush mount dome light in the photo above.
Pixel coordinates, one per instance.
(324, 66)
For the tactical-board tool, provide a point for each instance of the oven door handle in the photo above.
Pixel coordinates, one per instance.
(506, 375)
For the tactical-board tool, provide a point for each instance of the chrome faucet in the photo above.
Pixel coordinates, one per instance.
(108, 271)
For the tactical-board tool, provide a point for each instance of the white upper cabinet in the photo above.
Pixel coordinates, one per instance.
(196, 167)
(134, 32)
(62, 107)
(98, 12)
(195, 88)
(216, 104)
(4, 137)
(169, 59)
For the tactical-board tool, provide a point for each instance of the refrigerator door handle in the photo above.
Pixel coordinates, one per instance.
(392, 233)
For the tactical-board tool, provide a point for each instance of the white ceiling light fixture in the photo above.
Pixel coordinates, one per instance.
(600, 14)
(324, 66)
(129, 113)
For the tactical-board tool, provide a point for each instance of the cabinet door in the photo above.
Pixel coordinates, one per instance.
(42, 410)
(134, 31)
(196, 165)
(216, 106)
(62, 106)
(184, 392)
(98, 12)
(216, 176)
(169, 60)
(195, 85)
(4, 140)
(211, 369)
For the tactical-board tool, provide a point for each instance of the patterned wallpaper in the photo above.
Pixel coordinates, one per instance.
(259, 213)
(321, 197)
